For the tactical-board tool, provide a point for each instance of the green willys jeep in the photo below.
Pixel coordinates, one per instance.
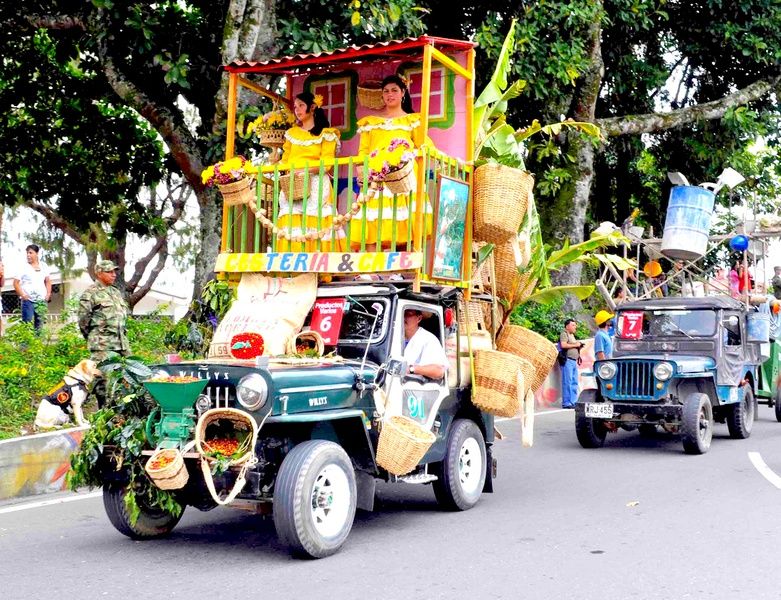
(680, 364)
(318, 422)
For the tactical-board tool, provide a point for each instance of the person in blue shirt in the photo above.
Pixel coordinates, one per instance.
(603, 342)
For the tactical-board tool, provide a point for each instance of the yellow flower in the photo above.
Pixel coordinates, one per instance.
(207, 174)
(318, 100)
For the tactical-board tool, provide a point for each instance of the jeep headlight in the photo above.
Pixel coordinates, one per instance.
(663, 371)
(252, 391)
(606, 370)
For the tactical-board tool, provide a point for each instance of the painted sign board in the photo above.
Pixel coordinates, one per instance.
(318, 262)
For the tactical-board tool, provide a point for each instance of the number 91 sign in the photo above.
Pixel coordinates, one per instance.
(327, 319)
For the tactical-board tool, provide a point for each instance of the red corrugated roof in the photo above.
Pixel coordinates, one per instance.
(404, 49)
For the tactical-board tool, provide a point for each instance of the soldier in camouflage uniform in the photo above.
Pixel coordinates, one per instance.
(103, 320)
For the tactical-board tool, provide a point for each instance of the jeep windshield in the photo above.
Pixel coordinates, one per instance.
(634, 325)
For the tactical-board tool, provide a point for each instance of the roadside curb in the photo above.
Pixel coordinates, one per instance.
(36, 464)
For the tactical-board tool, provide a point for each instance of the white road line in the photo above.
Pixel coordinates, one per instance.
(40, 503)
(764, 470)
(536, 414)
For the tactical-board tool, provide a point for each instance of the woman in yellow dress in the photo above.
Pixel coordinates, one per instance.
(308, 142)
(396, 121)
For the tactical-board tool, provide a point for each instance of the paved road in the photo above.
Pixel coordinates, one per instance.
(637, 519)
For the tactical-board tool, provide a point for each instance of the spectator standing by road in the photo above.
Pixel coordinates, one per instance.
(603, 343)
(103, 321)
(33, 286)
(775, 282)
(569, 371)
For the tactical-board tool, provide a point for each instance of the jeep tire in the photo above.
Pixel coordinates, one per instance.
(315, 498)
(461, 475)
(741, 415)
(591, 432)
(696, 423)
(151, 522)
(777, 402)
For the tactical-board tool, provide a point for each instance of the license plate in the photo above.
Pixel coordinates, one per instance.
(599, 410)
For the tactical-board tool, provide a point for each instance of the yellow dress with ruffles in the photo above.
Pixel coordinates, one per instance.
(314, 215)
(377, 132)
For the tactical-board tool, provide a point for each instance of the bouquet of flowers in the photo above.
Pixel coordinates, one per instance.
(396, 156)
(279, 119)
(229, 171)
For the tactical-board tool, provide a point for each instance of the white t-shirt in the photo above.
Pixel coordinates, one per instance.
(423, 348)
(34, 282)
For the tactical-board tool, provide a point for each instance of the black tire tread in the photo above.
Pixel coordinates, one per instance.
(447, 489)
(146, 526)
(591, 432)
(690, 424)
(739, 422)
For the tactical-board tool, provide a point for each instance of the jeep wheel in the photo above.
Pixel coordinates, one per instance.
(152, 522)
(696, 424)
(315, 498)
(777, 403)
(461, 475)
(591, 432)
(740, 419)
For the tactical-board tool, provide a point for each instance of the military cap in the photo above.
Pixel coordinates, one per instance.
(105, 266)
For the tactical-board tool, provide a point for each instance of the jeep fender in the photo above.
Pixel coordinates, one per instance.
(703, 385)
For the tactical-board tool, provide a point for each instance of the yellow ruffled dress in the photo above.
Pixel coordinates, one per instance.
(377, 132)
(301, 146)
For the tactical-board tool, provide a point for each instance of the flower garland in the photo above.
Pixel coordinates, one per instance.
(229, 171)
(339, 221)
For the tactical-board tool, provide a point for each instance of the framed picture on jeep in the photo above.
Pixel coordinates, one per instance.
(449, 241)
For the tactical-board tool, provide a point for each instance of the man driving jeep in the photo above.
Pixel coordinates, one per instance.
(423, 352)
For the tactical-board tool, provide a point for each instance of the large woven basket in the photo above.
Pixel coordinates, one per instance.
(238, 192)
(501, 196)
(402, 444)
(237, 419)
(401, 181)
(471, 313)
(172, 476)
(273, 138)
(511, 286)
(530, 346)
(284, 186)
(496, 382)
(370, 94)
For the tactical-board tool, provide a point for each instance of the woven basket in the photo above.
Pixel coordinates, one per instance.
(482, 275)
(489, 314)
(471, 312)
(511, 286)
(530, 346)
(284, 186)
(496, 382)
(272, 138)
(306, 337)
(173, 476)
(402, 444)
(239, 420)
(370, 94)
(401, 181)
(501, 196)
(238, 192)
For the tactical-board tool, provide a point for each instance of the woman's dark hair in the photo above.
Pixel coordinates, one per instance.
(321, 121)
(406, 99)
(34, 247)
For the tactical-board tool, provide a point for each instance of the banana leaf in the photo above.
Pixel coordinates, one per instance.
(548, 295)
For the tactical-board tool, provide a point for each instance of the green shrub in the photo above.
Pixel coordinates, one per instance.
(546, 319)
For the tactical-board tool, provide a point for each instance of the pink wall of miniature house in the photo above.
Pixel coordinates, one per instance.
(450, 140)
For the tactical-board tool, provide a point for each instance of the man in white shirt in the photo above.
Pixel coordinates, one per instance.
(33, 285)
(423, 352)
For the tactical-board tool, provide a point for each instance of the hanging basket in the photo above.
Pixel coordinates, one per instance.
(272, 138)
(166, 469)
(228, 420)
(297, 192)
(471, 312)
(237, 193)
(311, 339)
(531, 346)
(496, 389)
(370, 94)
(402, 444)
(511, 286)
(402, 180)
(501, 196)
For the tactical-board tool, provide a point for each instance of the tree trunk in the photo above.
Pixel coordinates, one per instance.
(210, 234)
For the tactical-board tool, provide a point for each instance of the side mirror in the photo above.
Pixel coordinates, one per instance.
(396, 368)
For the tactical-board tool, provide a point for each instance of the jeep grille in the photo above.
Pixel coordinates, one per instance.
(635, 380)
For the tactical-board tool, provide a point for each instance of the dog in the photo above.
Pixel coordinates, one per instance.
(66, 398)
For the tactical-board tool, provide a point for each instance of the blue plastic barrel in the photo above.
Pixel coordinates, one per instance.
(687, 225)
(758, 327)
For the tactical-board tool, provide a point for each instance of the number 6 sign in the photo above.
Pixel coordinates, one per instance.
(327, 319)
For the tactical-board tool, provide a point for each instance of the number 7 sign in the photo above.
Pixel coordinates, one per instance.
(327, 319)
(630, 325)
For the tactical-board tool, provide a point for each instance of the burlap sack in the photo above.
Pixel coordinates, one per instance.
(273, 307)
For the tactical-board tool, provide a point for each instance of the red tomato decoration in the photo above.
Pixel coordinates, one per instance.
(246, 345)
